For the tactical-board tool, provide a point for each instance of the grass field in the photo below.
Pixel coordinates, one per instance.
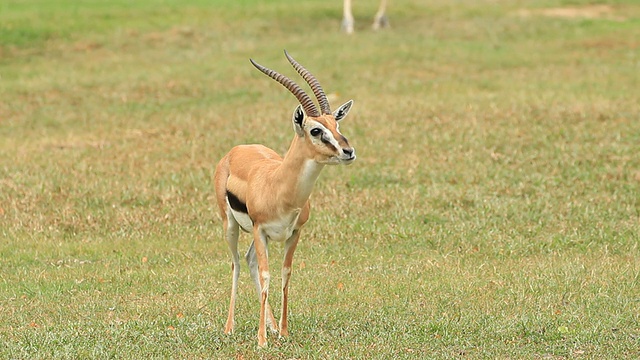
(493, 211)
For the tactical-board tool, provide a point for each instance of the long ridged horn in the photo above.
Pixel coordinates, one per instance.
(313, 83)
(304, 99)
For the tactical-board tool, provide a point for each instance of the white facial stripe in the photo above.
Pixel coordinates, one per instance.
(314, 124)
(327, 135)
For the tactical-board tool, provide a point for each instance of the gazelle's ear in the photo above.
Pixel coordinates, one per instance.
(298, 119)
(343, 110)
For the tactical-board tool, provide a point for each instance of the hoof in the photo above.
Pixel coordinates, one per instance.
(347, 26)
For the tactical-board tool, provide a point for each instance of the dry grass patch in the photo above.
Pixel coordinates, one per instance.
(595, 11)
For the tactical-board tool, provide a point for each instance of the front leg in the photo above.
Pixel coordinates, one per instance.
(289, 248)
(252, 261)
(260, 243)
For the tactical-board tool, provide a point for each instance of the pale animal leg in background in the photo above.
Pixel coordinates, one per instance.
(347, 18)
(380, 20)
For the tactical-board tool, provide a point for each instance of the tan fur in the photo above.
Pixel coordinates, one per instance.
(252, 171)
(276, 192)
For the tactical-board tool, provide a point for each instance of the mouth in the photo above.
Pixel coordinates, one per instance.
(336, 160)
(348, 161)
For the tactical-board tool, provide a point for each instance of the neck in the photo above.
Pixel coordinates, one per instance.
(298, 173)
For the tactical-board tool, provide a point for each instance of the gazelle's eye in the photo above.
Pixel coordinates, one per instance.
(315, 131)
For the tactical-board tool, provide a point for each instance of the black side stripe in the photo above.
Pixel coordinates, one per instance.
(235, 203)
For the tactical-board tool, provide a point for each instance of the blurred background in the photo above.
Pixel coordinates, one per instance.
(493, 210)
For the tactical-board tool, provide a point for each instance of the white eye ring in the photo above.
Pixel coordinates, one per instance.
(315, 132)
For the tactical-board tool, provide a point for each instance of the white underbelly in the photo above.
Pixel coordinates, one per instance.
(243, 220)
(277, 230)
(281, 229)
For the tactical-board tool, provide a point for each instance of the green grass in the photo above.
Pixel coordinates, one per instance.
(493, 212)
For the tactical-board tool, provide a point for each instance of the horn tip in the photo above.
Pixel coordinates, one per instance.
(257, 66)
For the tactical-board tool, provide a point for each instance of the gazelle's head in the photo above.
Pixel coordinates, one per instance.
(319, 129)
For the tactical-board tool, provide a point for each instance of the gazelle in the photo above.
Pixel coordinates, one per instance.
(380, 20)
(267, 195)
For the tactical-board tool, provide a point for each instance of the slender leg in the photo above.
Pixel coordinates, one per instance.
(380, 20)
(290, 248)
(260, 245)
(252, 261)
(231, 235)
(347, 18)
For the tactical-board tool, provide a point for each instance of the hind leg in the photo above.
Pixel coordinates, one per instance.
(231, 233)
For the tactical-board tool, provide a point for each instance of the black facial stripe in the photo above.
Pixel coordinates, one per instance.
(328, 143)
(235, 203)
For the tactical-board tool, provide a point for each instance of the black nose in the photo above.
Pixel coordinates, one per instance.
(348, 152)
